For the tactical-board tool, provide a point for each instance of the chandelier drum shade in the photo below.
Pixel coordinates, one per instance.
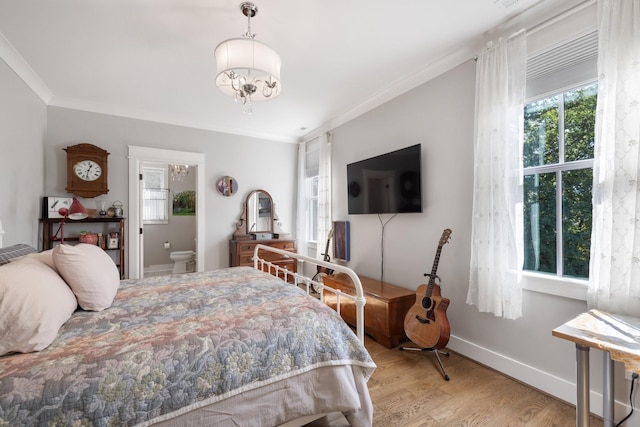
(246, 68)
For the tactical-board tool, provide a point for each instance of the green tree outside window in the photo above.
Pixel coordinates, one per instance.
(558, 176)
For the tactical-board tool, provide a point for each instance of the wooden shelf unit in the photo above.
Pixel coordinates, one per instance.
(103, 225)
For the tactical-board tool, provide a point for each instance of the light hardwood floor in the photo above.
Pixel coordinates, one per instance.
(408, 390)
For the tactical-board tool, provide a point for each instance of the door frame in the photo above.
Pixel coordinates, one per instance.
(137, 157)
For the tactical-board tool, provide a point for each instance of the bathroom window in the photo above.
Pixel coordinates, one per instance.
(155, 209)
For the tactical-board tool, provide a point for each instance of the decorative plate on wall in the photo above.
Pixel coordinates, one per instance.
(227, 186)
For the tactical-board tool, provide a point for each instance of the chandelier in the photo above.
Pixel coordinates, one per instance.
(247, 69)
(178, 172)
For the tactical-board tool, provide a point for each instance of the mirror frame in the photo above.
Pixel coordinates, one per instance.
(243, 226)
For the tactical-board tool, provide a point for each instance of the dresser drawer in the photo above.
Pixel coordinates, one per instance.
(241, 252)
(287, 245)
(249, 247)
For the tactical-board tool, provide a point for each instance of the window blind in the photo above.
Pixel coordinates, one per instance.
(563, 66)
(312, 165)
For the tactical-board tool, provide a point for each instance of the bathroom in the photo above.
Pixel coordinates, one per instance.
(169, 220)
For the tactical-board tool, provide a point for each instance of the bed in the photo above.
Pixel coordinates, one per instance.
(235, 346)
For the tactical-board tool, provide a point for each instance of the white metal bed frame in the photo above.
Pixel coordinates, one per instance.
(311, 284)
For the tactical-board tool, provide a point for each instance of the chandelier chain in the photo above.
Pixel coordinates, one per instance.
(249, 13)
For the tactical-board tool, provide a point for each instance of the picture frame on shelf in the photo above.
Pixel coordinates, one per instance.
(51, 206)
(113, 240)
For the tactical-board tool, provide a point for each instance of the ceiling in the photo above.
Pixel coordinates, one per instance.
(153, 59)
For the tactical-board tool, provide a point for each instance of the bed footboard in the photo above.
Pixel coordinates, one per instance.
(311, 284)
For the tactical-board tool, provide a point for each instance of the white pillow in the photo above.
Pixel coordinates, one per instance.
(44, 256)
(34, 303)
(90, 273)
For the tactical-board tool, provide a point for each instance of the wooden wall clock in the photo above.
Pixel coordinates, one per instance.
(87, 170)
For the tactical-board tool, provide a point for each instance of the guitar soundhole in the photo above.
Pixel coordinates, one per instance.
(426, 303)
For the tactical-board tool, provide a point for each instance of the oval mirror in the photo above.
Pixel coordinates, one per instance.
(227, 186)
(259, 209)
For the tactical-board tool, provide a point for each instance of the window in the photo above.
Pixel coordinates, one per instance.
(312, 172)
(558, 173)
(155, 208)
(312, 209)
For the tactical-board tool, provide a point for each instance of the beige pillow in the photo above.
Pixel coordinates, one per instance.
(90, 273)
(44, 256)
(34, 303)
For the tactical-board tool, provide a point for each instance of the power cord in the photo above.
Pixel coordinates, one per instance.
(383, 224)
(634, 377)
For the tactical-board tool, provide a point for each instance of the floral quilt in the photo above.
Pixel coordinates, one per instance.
(172, 342)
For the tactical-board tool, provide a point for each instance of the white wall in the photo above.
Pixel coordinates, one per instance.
(23, 123)
(254, 163)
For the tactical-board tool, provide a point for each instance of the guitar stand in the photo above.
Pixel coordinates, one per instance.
(435, 351)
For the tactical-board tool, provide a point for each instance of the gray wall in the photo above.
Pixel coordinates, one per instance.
(23, 122)
(440, 116)
(253, 162)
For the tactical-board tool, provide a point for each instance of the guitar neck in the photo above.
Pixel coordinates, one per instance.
(434, 269)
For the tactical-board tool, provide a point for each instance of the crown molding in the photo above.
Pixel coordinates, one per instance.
(17, 63)
(151, 116)
(403, 85)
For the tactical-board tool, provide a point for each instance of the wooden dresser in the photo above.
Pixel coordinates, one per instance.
(241, 252)
(385, 310)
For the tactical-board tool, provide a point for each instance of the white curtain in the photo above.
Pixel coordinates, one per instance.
(496, 231)
(324, 193)
(614, 279)
(301, 208)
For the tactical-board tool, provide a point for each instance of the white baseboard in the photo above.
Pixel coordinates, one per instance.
(548, 383)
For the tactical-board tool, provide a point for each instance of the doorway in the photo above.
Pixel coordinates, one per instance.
(138, 158)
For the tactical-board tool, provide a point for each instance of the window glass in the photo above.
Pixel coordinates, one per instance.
(579, 122)
(558, 175)
(540, 222)
(541, 132)
(155, 209)
(312, 209)
(576, 221)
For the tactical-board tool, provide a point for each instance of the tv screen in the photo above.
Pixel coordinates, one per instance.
(389, 183)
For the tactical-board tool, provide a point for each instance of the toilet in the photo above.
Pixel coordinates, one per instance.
(180, 260)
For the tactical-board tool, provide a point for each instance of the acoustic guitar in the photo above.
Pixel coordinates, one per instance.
(325, 256)
(426, 321)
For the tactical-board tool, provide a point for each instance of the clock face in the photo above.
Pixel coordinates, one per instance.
(87, 170)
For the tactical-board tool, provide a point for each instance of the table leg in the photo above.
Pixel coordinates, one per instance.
(582, 403)
(607, 391)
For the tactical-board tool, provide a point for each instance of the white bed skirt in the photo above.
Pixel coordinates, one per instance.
(334, 389)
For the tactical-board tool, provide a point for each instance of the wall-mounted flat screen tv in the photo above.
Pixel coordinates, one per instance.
(388, 183)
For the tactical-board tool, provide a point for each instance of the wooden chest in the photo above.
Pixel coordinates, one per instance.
(241, 253)
(384, 312)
